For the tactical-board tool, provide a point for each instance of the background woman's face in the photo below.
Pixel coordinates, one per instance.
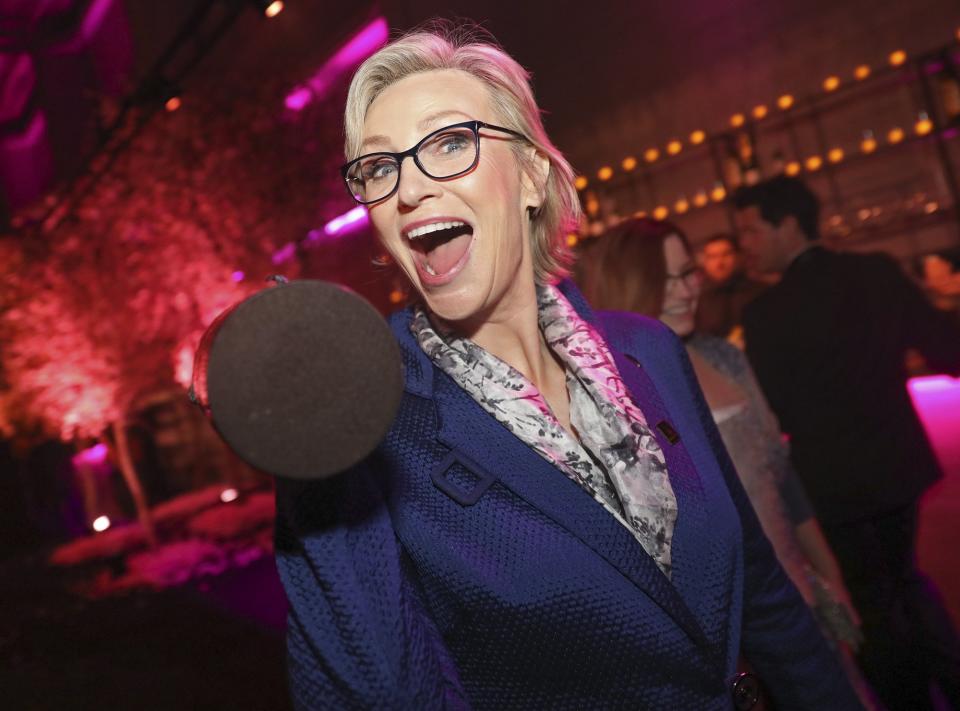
(681, 289)
(476, 271)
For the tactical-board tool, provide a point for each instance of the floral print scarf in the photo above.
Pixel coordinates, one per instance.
(616, 459)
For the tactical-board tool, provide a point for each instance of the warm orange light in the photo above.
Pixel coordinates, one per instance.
(792, 168)
(274, 8)
(814, 163)
(737, 120)
(605, 173)
(681, 205)
(869, 143)
(396, 296)
(831, 83)
(697, 137)
(660, 212)
(651, 154)
(173, 103)
(931, 207)
(895, 135)
(640, 213)
(785, 102)
(629, 163)
(674, 147)
(861, 72)
(572, 240)
(924, 125)
(593, 205)
(759, 112)
(718, 193)
(897, 58)
(700, 199)
(581, 182)
(835, 155)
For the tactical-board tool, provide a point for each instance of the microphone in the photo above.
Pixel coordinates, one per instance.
(302, 380)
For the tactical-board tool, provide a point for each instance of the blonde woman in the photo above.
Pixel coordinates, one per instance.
(552, 522)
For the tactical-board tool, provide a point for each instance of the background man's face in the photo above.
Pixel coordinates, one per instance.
(760, 240)
(720, 260)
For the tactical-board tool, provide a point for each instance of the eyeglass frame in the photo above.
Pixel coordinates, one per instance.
(412, 153)
(691, 274)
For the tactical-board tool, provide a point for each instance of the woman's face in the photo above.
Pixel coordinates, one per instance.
(682, 288)
(481, 269)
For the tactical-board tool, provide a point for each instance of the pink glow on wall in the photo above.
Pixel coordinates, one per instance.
(937, 401)
(347, 222)
(97, 454)
(358, 48)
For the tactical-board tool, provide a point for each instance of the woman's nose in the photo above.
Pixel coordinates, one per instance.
(415, 186)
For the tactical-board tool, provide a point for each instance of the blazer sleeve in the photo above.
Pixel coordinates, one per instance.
(779, 636)
(358, 636)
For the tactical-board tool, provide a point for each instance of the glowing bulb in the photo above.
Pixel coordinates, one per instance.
(651, 154)
(629, 163)
(173, 103)
(572, 240)
(897, 58)
(661, 212)
(700, 199)
(605, 173)
(895, 135)
(674, 147)
(792, 168)
(101, 523)
(697, 137)
(593, 206)
(831, 83)
(581, 182)
(228, 495)
(869, 143)
(396, 296)
(814, 163)
(640, 214)
(274, 8)
(835, 155)
(785, 102)
(924, 125)
(861, 72)
(718, 193)
(759, 112)
(931, 207)
(681, 205)
(737, 120)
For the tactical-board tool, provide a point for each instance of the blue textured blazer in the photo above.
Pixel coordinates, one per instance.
(457, 568)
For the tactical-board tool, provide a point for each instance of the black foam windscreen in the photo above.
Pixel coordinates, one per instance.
(301, 380)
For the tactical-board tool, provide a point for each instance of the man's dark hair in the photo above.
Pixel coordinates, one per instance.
(782, 197)
(723, 237)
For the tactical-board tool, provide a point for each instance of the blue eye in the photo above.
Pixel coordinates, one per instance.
(378, 169)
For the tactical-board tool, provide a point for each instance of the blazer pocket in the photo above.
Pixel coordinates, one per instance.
(462, 479)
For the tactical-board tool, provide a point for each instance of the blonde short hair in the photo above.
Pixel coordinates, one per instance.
(441, 46)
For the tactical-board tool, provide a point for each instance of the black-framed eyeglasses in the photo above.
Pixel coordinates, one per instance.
(446, 153)
(690, 276)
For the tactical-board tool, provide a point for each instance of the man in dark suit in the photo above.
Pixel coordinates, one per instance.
(828, 344)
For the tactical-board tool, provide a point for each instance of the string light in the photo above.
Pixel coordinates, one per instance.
(861, 72)
(661, 212)
(681, 205)
(572, 240)
(651, 154)
(895, 134)
(718, 193)
(605, 173)
(173, 103)
(924, 125)
(700, 199)
(897, 58)
(813, 163)
(759, 112)
(271, 9)
(674, 147)
(792, 168)
(639, 214)
(101, 523)
(737, 120)
(835, 155)
(396, 296)
(869, 143)
(785, 102)
(581, 182)
(697, 137)
(228, 495)
(629, 163)
(831, 83)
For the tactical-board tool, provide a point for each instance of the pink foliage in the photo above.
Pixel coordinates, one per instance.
(234, 520)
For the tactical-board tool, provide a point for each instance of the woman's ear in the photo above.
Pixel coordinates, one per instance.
(533, 179)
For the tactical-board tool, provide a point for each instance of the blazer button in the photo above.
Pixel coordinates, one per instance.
(746, 691)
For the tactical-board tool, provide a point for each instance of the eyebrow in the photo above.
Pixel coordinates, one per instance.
(422, 125)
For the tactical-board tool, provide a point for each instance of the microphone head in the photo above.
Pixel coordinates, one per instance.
(301, 380)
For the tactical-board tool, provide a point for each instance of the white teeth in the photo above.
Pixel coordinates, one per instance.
(433, 227)
(429, 269)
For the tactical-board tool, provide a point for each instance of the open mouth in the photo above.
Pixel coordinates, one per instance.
(440, 249)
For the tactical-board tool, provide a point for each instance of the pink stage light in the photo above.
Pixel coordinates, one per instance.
(347, 222)
(228, 495)
(936, 399)
(358, 48)
(97, 454)
(238, 276)
(284, 254)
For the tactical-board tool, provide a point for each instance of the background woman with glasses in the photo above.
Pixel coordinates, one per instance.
(550, 523)
(646, 266)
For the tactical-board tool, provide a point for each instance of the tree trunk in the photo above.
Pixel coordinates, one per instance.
(133, 482)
